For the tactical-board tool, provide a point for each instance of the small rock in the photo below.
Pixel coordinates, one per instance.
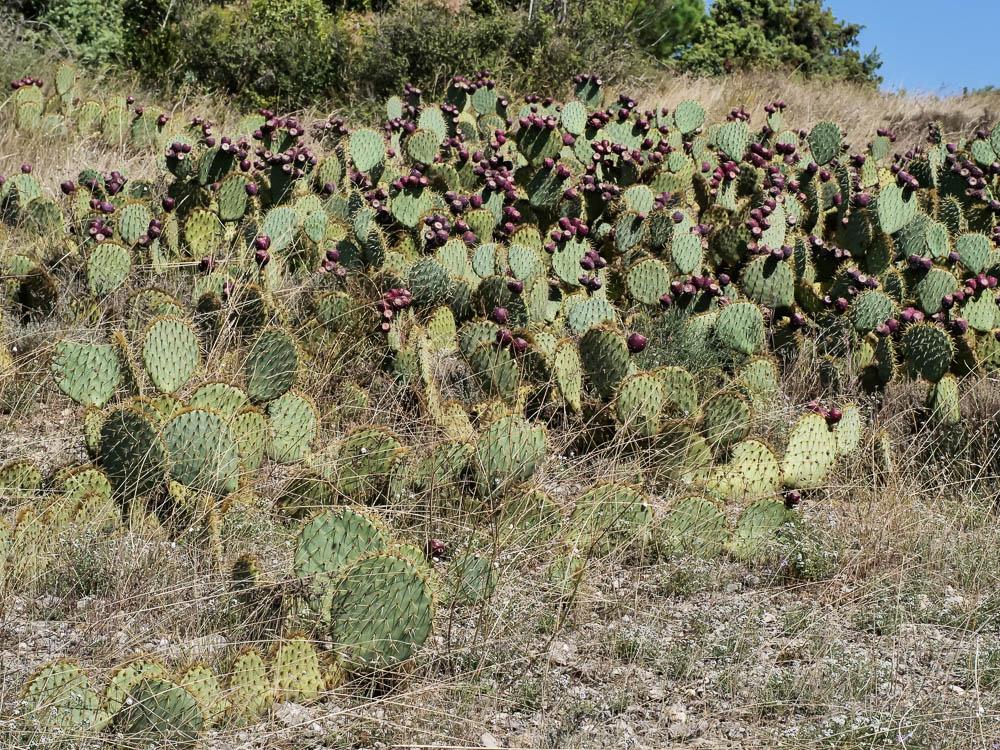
(488, 740)
(294, 715)
(562, 653)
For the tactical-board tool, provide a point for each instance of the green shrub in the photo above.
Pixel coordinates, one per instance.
(90, 29)
(801, 35)
(151, 32)
(274, 52)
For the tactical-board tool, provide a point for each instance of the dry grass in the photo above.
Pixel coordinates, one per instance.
(859, 110)
(876, 623)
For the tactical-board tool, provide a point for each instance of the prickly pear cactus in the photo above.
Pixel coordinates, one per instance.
(59, 697)
(87, 373)
(170, 353)
(160, 710)
(810, 454)
(381, 613)
(507, 453)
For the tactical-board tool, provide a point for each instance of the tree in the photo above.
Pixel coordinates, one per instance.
(665, 26)
(802, 35)
(658, 27)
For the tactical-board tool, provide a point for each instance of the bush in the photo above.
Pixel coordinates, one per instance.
(90, 29)
(150, 33)
(802, 35)
(274, 52)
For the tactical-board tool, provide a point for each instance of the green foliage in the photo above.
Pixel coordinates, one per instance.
(801, 35)
(296, 44)
(93, 29)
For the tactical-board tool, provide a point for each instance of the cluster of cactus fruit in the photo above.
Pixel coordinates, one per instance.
(637, 276)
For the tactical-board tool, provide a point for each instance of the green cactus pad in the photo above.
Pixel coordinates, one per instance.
(567, 371)
(59, 697)
(605, 359)
(87, 373)
(170, 353)
(810, 454)
(131, 452)
(202, 451)
(824, 142)
(870, 309)
(160, 709)
(250, 691)
(849, 430)
(689, 116)
(233, 198)
(507, 453)
(250, 431)
(108, 266)
(367, 149)
(975, 251)
(272, 365)
(293, 425)
(381, 612)
(124, 679)
(584, 313)
(756, 529)
(333, 540)
(204, 686)
(297, 673)
(639, 404)
(202, 232)
(928, 351)
(423, 146)
(647, 281)
(726, 418)
(740, 326)
(219, 396)
(935, 284)
(981, 312)
(694, 526)
(896, 208)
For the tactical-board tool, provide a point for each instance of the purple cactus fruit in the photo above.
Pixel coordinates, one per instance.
(262, 242)
(516, 286)
(519, 345)
(505, 337)
(792, 498)
(636, 342)
(666, 300)
(67, 187)
(833, 415)
(207, 263)
(26, 168)
(262, 257)
(333, 255)
(252, 189)
(435, 549)
(960, 326)
(169, 204)
(840, 304)
(500, 315)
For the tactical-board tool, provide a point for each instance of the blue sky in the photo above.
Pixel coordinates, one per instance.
(937, 46)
